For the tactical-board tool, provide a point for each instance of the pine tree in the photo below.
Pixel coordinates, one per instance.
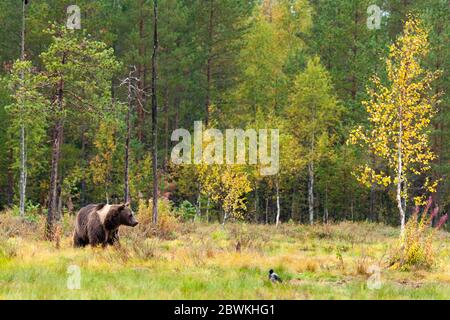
(79, 71)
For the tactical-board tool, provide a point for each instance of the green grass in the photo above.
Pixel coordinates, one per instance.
(201, 262)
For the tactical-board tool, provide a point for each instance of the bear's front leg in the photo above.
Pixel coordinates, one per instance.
(97, 236)
(106, 240)
(114, 237)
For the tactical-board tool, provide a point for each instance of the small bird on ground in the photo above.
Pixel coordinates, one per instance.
(274, 277)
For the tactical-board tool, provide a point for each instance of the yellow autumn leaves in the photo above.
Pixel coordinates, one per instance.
(400, 113)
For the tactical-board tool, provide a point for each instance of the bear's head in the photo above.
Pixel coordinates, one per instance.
(120, 215)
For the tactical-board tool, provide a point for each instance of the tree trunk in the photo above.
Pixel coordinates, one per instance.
(278, 202)
(325, 206)
(23, 154)
(141, 76)
(209, 61)
(225, 217)
(177, 108)
(84, 161)
(154, 114)
(351, 209)
(166, 127)
(256, 202)
(267, 210)
(10, 177)
(311, 191)
(400, 177)
(199, 206)
(207, 210)
(60, 203)
(372, 203)
(292, 215)
(53, 198)
(127, 144)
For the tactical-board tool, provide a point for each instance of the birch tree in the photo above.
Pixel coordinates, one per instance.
(399, 115)
(29, 115)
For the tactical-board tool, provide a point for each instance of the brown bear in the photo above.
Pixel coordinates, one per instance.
(98, 224)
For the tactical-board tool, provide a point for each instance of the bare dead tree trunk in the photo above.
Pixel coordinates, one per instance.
(154, 113)
(127, 144)
(23, 153)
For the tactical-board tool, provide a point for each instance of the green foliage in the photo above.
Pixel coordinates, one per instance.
(32, 212)
(29, 108)
(187, 210)
(86, 67)
(314, 112)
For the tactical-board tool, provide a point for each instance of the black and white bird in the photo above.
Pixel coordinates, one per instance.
(274, 277)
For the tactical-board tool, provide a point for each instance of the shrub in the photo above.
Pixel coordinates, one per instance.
(187, 210)
(145, 249)
(416, 244)
(12, 225)
(243, 239)
(362, 267)
(167, 225)
(32, 212)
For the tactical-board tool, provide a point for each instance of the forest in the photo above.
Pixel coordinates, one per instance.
(95, 97)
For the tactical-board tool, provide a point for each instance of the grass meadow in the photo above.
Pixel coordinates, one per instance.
(211, 261)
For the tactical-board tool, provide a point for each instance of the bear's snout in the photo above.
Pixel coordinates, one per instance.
(133, 222)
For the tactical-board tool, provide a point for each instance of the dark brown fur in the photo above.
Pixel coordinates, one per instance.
(89, 228)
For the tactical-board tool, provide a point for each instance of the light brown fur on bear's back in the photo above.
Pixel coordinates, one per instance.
(103, 212)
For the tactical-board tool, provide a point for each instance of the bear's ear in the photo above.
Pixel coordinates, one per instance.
(122, 206)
